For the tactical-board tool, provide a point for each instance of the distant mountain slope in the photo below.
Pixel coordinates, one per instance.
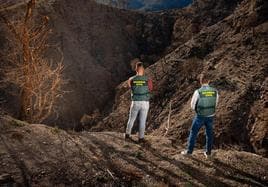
(147, 5)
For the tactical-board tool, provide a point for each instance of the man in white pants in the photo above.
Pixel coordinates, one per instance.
(141, 86)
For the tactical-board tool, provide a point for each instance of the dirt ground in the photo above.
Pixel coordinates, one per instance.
(37, 155)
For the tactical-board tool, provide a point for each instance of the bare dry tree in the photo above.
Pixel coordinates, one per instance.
(39, 79)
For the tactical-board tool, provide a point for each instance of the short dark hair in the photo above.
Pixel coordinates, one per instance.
(139, 65)
(204, 78)
(133, 63)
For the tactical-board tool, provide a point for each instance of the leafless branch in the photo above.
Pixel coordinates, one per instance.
(39, 79)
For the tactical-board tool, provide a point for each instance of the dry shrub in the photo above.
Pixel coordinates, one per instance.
(39, 79)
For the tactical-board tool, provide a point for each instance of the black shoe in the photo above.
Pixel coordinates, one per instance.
(127, 137)
(141, 141)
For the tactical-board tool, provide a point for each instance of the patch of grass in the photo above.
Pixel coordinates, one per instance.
(55, 130)
(126, 146)
(16, 122)
(138, 154)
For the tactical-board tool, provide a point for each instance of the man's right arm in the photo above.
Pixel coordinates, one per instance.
(194, 99)
(129, 82)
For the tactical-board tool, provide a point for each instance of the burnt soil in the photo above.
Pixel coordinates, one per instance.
(38, 155)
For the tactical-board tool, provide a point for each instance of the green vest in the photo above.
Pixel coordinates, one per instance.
(139, 87)
(206, 104)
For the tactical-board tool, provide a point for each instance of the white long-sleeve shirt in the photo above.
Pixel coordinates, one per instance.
(196, 97)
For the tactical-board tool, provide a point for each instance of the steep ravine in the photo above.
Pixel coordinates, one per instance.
(234, 52)
(98, 42)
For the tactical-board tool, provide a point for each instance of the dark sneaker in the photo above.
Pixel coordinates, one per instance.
(141, 141)
(185, 153)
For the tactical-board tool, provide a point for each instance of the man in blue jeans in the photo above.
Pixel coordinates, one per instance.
(204, 102)
(140, 86)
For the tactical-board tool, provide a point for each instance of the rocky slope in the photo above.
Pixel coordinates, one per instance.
(97, 54)
(201, 14)
(98, 43)
(234, 52)
(38, 155)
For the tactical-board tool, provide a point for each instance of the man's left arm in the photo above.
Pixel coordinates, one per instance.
(217, 98)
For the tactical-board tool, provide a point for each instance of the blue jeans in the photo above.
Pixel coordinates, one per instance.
(198, 122)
